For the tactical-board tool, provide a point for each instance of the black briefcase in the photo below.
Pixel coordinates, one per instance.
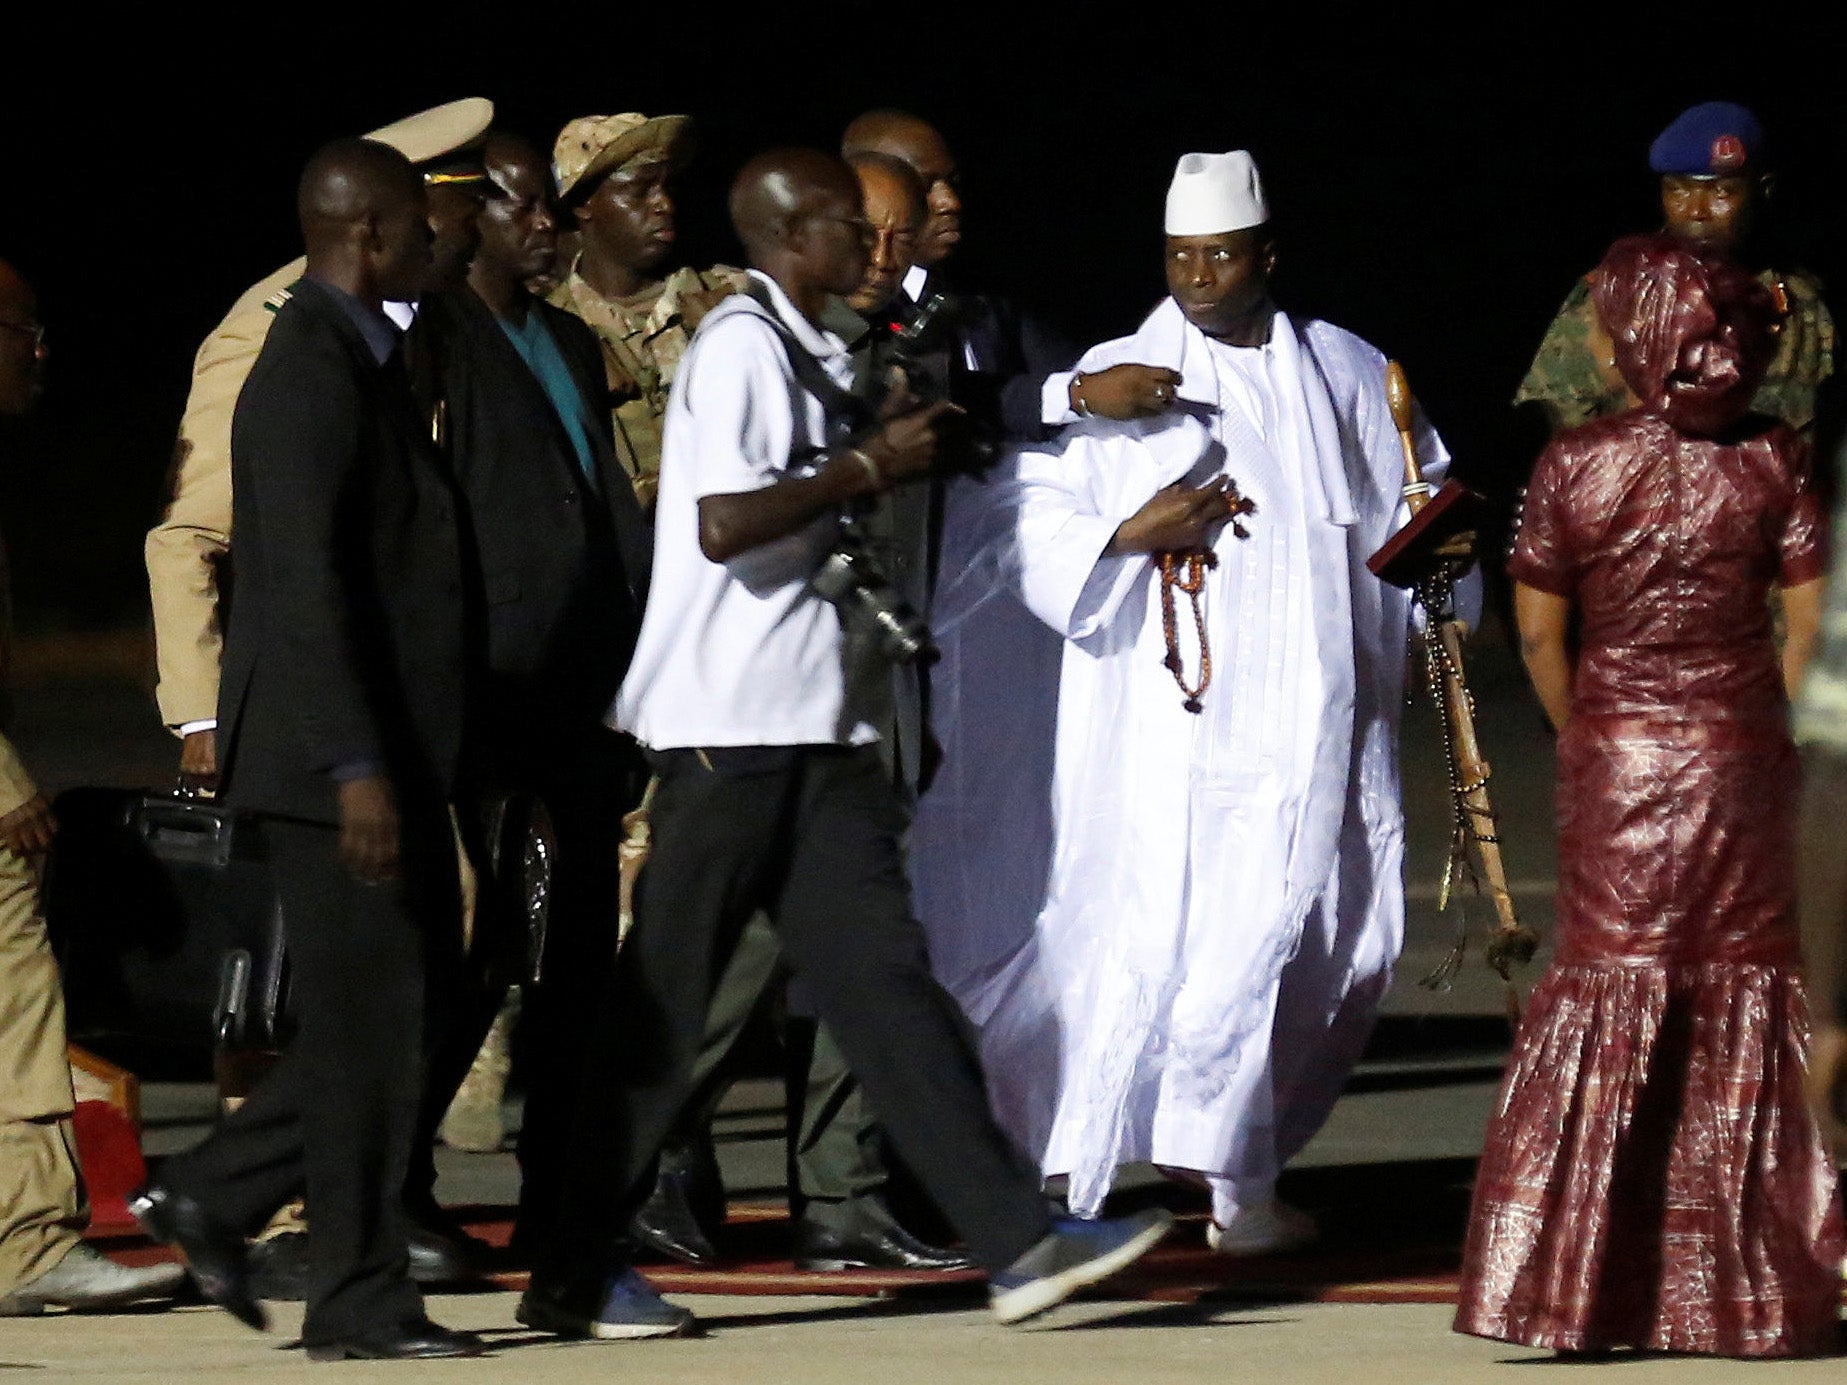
(165, 921)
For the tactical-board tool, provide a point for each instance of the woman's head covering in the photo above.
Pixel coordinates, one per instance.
(1694, 333)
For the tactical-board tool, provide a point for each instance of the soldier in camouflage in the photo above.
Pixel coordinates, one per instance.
(613, 174)
(1713, 184)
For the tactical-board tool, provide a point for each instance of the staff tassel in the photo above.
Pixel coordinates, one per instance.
(1435, 518)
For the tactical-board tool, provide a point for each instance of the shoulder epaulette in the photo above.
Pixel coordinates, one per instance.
(275, 301)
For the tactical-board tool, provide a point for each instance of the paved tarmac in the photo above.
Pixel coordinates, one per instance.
(809, 1341)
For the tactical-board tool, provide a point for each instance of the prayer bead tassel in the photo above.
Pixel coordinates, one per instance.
(1193, 583)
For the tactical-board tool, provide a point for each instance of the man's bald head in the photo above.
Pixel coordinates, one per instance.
(798, 213)
(781, 188)
(901, 135)
(887, 131)
(896, 210)
(22, 344)
(362, 214)
(350, 179)
(890, 179)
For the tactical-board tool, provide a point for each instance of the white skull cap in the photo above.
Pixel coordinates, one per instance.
(1213, 193)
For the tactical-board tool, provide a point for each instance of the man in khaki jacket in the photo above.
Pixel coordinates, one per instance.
(186, 549)
(43, 1211)
(614, 176)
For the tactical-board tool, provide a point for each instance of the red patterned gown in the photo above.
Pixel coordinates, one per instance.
(1652, 1176)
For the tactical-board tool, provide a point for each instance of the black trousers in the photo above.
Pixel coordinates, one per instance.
(811, 835)
(587, 785)
(334, 1119)
(464, 984)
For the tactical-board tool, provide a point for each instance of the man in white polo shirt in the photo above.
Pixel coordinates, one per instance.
(772, 794)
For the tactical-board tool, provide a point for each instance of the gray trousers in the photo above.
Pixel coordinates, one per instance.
(835, 1147)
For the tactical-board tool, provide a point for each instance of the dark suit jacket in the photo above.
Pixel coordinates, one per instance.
(1013, 354)
(559, 565)
(345, 644)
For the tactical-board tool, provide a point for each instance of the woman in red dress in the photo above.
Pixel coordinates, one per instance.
(1653, 1176)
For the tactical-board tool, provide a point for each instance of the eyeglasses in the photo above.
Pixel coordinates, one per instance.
(33, 330)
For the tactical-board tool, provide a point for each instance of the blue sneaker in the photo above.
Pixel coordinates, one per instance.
(1077, 1253)
(615, 1306)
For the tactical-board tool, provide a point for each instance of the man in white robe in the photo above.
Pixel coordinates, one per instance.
(1223, 897)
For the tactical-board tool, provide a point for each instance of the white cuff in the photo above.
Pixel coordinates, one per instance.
(187, 728)
(1055, 399)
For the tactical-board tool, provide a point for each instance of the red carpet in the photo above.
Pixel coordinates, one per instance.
(1180, 1271)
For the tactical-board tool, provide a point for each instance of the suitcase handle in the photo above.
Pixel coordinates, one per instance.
(186, 832)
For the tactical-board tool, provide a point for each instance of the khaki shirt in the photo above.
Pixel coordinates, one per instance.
(194, 534)
(1574, 375)
(643, 340)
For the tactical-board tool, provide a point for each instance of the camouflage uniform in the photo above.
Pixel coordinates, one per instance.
(641, 351)
(1574, 374)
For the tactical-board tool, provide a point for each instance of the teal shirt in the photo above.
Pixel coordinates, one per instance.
(539, 349)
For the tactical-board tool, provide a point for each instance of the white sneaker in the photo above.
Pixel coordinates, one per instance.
(1265, 1229)
(86, 1280)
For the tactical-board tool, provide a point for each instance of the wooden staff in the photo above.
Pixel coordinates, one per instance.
(1512, 941)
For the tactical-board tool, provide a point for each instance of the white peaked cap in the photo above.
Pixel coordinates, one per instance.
(1212, 193)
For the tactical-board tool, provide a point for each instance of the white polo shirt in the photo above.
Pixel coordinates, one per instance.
(742, 652)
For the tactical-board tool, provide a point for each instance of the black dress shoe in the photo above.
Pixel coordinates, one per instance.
(417, 1341)
(666, 1224)
(870, 1241)
(442, 1257)
(215, 1254)
(279, 1268)
(696, 1165)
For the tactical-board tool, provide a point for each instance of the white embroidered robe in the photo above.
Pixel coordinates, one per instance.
(1200, 866)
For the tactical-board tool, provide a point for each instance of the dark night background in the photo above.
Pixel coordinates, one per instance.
(1437, 187)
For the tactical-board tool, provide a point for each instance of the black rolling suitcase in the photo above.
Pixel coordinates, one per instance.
(166, 925)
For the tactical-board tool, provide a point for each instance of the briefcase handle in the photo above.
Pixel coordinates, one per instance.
(183, 830)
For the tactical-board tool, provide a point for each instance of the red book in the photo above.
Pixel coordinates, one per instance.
(1406, 556)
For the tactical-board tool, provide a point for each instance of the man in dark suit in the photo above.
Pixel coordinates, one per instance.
(559, 568)
(340, 722)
